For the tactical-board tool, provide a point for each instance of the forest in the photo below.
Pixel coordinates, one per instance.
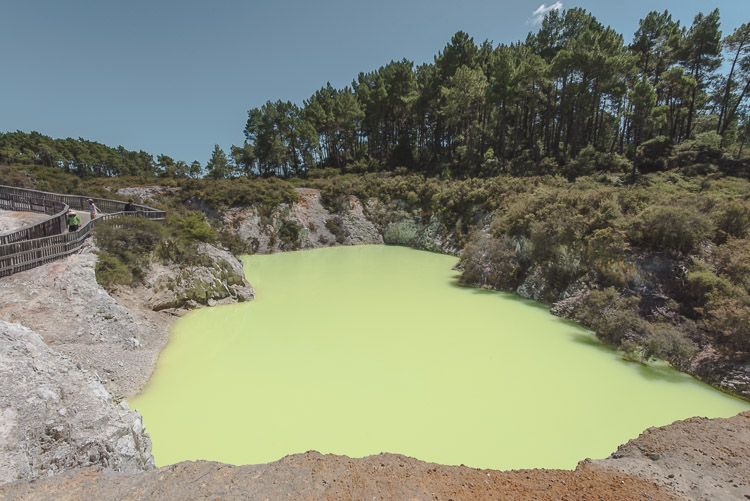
(572, 99)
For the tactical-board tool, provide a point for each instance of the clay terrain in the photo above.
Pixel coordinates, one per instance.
(706, 459)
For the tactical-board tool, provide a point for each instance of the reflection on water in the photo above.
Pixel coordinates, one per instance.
(358, 350)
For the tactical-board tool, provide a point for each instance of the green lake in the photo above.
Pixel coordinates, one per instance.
(368, 349)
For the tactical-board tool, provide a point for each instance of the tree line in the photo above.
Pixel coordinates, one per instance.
(572, 98)
(573, 87)
(88, 158)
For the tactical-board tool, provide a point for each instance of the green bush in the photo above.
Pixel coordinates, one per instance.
(732, 219)
(333, 225)
(670, 228)
(729, 322)
(224, 193)
(289, 235)
(111, 271)
(492, 262)
(614, 318)
(126, 245)
(192, 226)
(131, 238)
(703, 283)
(667, 343)
(234, 243)
(653, 155)
(732, 261)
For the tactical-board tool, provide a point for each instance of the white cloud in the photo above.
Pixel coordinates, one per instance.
(542, 10)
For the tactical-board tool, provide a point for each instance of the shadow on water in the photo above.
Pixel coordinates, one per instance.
(588, 339)
(656, 373)
(582, 336)
(454, 282)
(650, 372)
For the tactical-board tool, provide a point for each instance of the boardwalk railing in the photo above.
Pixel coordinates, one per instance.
(47, 240)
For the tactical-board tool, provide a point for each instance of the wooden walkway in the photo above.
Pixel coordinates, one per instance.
(47, 240)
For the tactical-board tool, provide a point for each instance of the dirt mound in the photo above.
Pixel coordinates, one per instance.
(693, 459)
(699, 458)
(315, 476)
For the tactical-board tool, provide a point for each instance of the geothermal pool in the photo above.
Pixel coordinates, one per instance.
(368, 349)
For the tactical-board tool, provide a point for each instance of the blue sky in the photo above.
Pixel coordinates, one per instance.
(177, 77)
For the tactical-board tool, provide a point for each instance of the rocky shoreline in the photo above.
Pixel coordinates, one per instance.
(106, 346)
(375, 222)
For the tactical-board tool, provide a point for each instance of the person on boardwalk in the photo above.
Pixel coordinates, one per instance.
(93, 209)
(74, 222)
(130, 207)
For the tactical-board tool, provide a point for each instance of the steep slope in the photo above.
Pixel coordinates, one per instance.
(55, 416)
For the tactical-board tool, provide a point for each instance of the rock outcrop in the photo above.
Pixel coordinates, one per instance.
(117, 337)
(61, 301)
(355, 222)
(315, 225)
(218, 279)
(698, 458)
(55, 416)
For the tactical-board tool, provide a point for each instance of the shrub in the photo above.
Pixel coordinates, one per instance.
(111, 271)
(126, 245)
(669, 228)
(333, 225)
(289, 235)
(224, 193)
(234, 243)
(703, 283)
(192, 226)
(733, 262)
(666, 342)
(654, 154)
(729, 322)
(704, 149)
(732, 219)
(131, 239)
(493, 262)
(615, 319)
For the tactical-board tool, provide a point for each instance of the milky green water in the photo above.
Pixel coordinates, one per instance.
(358, 350)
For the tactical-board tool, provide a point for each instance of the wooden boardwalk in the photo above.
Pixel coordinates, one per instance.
(47, 240)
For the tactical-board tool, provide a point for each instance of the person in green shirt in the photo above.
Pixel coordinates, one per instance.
(74, 222)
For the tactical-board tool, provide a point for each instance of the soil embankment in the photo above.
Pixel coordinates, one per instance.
(313, 476)
(703, 459)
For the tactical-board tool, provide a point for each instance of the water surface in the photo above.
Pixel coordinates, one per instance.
(358, 350)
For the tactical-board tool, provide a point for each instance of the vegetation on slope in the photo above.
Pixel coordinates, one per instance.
(606, 176)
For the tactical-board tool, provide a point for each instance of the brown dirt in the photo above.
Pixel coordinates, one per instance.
(700, 458)
(315, 476)
(697, 458)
